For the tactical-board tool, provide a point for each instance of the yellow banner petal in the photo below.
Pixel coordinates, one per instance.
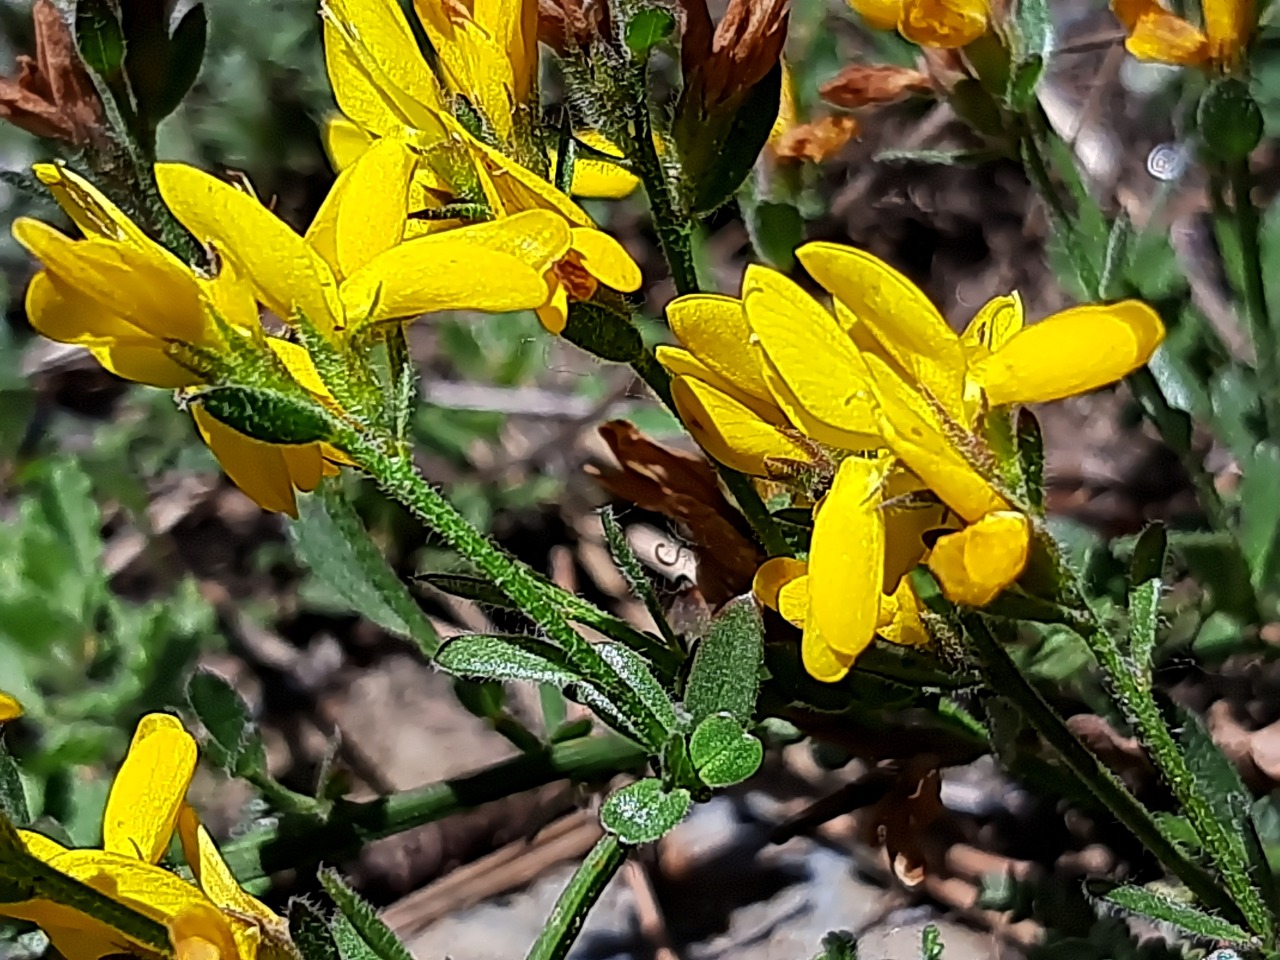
(1228, 25)
(806, 422)
(88, 207)
(142, 807)
(1162, 37)
(993, 325)
(201, 932)
(943, 23)
(914, 432)
(259, 469)
(896, 314)
(10, 708)
(605, 259)
(680, 362)
(821, 660)
(900, 621)
(365, 211)
(731, 433)
(774, 574)
(813, 356)
(1077, 350)
(344, 141)
(881, 14)
(976, 564)
(282, 267)
(214, 876)
(846, 556)
(715, 330)
(519, 188)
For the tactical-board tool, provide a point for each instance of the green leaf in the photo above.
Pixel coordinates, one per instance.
(376, 934)
(930, 943)
(476, 589)
(186, 55)
(838, 945)
(332, 540)
(66, 498)
(1144, 619)
(718, 143)
(1142, 902)
(1115, 261)
(271, 416)
(1237, 413)
(1149, 553)
(725, 677)
(351, 946)
(602, 332)
(100, 37)
(1260, 513)
(647, 28)
(644, 811)
(936, 158)
(723, 753)
(1030, 442)
(310, 933)
(234, 741)
(775, 229)
(1030, 39)
(1218, 565)
(13, 798)
(498, 657)
(633, 572)
(635, 673)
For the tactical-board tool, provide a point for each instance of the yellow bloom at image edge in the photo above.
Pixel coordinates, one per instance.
(10, 709)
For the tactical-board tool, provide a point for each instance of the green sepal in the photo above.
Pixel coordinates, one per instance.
(645, 811)
(602, 332)
(723, 753)
(309, 932)
(234, 742)
(268, 415)
(1230, 121)
(1030, 443)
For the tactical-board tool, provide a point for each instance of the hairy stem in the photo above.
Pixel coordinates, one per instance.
(1245, 221)
(584, 889)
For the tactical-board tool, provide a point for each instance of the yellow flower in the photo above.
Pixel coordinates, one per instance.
(133, 304)
(928, 23)
(145, 806)
(387, 91)
(10, 709)
(1157, 34)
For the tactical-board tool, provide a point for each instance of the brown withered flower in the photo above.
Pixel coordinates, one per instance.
(736, 53)
(567, 25)
(817, 140)
(52, 95)
(861, 85)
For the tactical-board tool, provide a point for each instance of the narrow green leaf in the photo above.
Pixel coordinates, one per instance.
(838, 945)
(234, 741)
(66, 499)
(723, 753)
(351, 946)
(475, 589)
(774, 228)
(1149, 555)
(310, 933)
(1115, 261)
(635, 673)
(332, 540)
(644, 811)
(633, 572)
(930, 943)
(271, 416)
(1142, 902)
(936, 158)
(100, 37)
(1260, 513)
(1030, 443)
(499, 657)
(186, 55)
(13, 798)
(384, 944)
(725, 677)
(1144, 620)
(647, 28)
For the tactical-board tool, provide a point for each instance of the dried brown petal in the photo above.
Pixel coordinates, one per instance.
(745, 46)
(52, 94)
(818, 140)
(683, 487)
(860, 85)
(566, 25)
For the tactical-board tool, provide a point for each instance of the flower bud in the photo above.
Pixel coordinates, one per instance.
(1230, 120)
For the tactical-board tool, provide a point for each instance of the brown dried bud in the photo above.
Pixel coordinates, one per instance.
(861, 85)
(816, 141)
(52, 95)
(744, 46)
(567, 25)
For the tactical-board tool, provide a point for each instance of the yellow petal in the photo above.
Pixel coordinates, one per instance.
(900, 621)
(200, 932)
(212, 873)
(1071, 352)
(554, 314)
(714, 329)
(896, 315)
(975, 564)
(10, 709)
(601, 180)
(793, 601)
(731, 433)
(846, 556)
(519, 188)
(1160, 36)
(88, 207)
(344, 141)
(914, 432)
(605, 259)
(881, 14)
(815, 359)
(774, 574)
(1227, 25)
(300, 366)
(379, 77)
(365, 211)
(809, 425)
(282, 267)
(943, 23)
(259, 469)
(38, 845)
(142, 808)
(495, 267)
(906, 523)
(821, 660)
(148, 888)
(994, 325)
(681, 363)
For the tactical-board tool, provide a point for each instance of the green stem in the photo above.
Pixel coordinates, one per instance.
(1245, 220)
(1003, 675)
(351, 825)
(397, 476)
(584, 889)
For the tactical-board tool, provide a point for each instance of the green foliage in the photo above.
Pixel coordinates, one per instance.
(725, 676)
(647, 28)
(838, 945)
(272, 416)
(311, 935)
(100, 38)
(376, 935)
(722, 752)
(13, 797)
(605, 332)
(234, 741)
(930, 943)
(1143, 902)
(644, 811)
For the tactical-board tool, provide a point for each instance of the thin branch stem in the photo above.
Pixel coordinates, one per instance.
(584, 889)
(1245, 221)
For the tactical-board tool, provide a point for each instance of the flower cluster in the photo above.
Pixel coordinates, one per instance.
(210, 919)
(896, 428)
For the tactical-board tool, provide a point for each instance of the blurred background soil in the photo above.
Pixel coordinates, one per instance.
(508, 427)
